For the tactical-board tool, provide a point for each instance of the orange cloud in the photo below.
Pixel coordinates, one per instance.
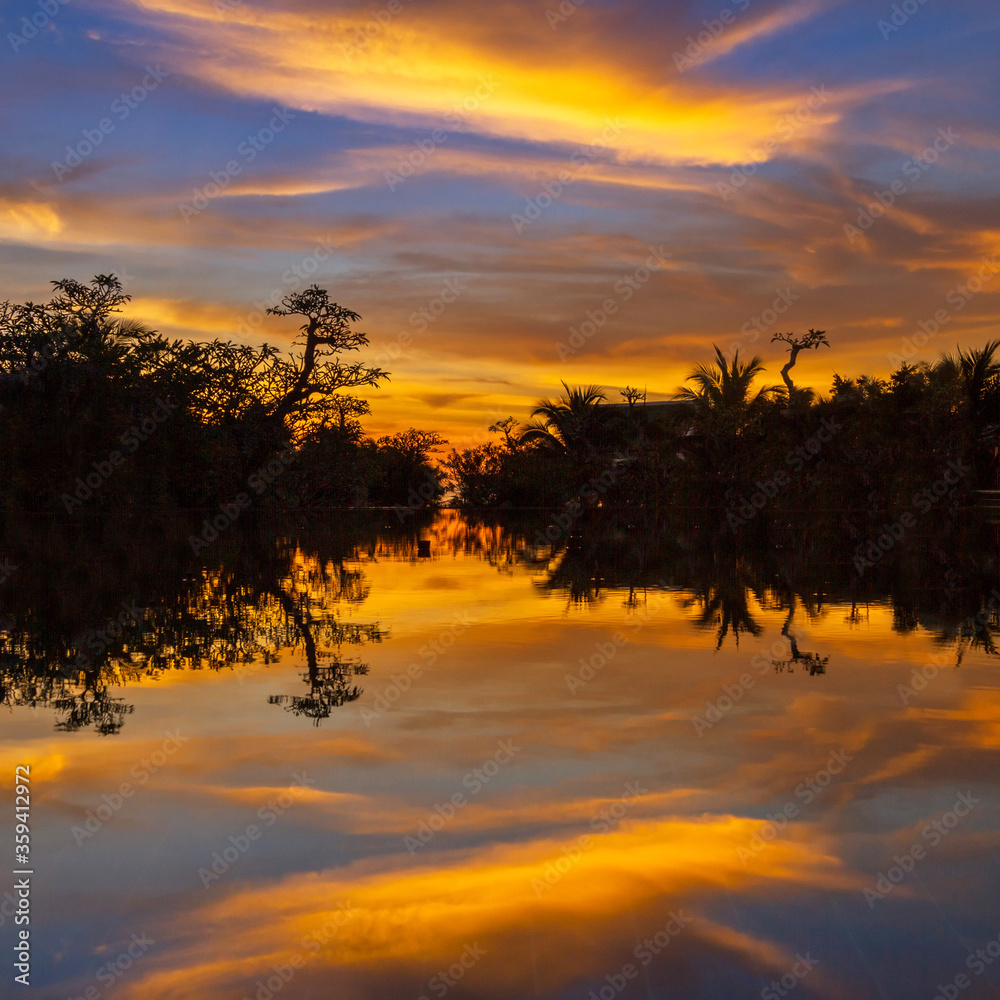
(407, 921)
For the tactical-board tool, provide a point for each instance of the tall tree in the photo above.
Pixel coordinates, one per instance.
(806, 342)
(977, 374)
(567, 423)
(572, 425)
(266, 399)
(726, 388)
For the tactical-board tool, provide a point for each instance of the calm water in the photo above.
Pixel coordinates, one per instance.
(639, 765)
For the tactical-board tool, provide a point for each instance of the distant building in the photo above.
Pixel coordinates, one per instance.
(657, 411)
(652, 407)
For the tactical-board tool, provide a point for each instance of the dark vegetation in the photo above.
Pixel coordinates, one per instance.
(100, 413)
(751, 451)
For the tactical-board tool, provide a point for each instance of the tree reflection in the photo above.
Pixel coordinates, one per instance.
(978, 631)
(943, 580)
(97, 606)
(92, 707)
(329, 683)
(259, 594)
(724, 603)
(812, 662)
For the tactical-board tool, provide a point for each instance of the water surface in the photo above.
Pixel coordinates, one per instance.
(636, 763)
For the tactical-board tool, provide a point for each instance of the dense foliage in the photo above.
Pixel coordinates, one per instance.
(97, 412)
(925, 437)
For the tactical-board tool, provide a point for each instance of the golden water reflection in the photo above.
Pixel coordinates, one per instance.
(546, 779)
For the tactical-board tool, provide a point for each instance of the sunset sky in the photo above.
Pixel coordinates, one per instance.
(676, 169)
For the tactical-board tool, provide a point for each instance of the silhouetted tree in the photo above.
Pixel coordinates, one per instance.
(574, 426)
(198, 420)
(797, 344)
(725, 389)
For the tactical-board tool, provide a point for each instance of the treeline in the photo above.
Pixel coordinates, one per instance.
(100, 413)
(924, 438)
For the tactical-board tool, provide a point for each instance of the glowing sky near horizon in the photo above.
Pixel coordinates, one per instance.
(526, 163)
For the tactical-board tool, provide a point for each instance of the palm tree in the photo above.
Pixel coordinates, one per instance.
(726, 407)
(726, 388)
(568, 423)
(977, 373)
(570, 427)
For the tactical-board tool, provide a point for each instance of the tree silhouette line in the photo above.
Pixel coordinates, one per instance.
(868, 445)
(101, 413)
